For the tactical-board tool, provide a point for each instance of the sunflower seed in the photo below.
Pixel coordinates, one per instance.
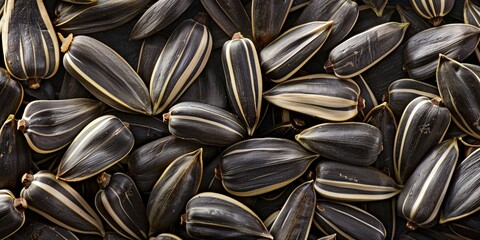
(244, 80)
(261, 165)
(58, 202)
(423, 194)
(353, 183)
(230, 16)
(432, 10)
(360, 52)
(385, 212)
(320, 95)
(296, 216)
(268, 18)
(182, 59)
(403, 91)
(150, 50)
(50, 125)
(31, 53)
(363, 141)
(100, 144)
(96, 17)
(91, 62)
(15, 158)
(205, 124)
(41, 230)
(178, 183)
(347, 221)
(11, 95)
(216, 216)
(290, 51)
(121, 206)
(457, 85)
(463, 195)
(417, 23)
(422, 126)
(12, 216)
(421, 51)
(158, 16)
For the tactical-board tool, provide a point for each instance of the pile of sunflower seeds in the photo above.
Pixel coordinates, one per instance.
(238, 119)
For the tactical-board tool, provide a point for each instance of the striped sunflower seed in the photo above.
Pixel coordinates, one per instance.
(268, 18)
(423, 194)
(403, 91)
(261, 165)
(15, 157)
(100, 145)
(296, 216)
(347, 182)
(230, 16)
(347, 221)
(463, 195)
(423, 125)
(61, 204)
(11, 95)
(471, 13)
(182, 59)
(50, 125)
(31, 53)
(363, 141)
(158, 16)
(319, 95)
(178, 183)
(421, 51)
(360, 52)
(121, 206)
(244, 80)
(216, 216)
(12, 213)
(432, 10)
(91, 62)
(290, 51)
(205, 124)
(458, 86)
(95, 17)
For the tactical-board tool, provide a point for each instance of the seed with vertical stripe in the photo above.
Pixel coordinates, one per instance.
(423, 125)
(216, 216)
(463, 196)
(296, 216)
(261, 165)
(182, 59)
(421, 51)
(150, 50)
(58, 202)
(403, 91)
(178, 183)
(360, 52)
(268, 17)
(12, 216)
(320, 95)
(30, 46)
(471, 13)
(91, 62)
(347, 221)
(204, 123)
(353, 183)
(290, 51)
(100, 145)
(50, 125)
(15, 158)
(96, 17)
(458, 86)
(121, 206)
(11, 95)
(244, 80)
(433, 10)
(348, 142)
(423, 194)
